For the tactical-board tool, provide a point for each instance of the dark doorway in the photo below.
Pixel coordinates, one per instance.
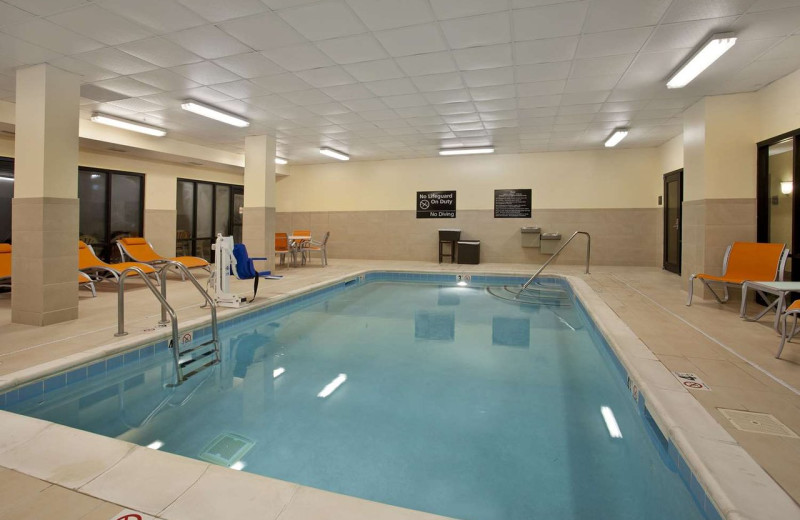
(205, 209)
(673, 199)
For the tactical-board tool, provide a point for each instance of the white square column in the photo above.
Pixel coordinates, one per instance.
(258, 228)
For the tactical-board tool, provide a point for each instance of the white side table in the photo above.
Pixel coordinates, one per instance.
(778, 289)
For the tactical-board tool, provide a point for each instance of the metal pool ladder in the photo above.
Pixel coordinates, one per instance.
(588, 253)
(193, 359)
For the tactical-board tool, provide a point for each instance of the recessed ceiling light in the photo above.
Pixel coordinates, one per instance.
(330, 152)
(214, 113)
(281, 160)
(466, 151)
(618, 135)
(125, 124)
(715, 47)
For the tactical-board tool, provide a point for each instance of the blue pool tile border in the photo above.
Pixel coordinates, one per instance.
(38, 388)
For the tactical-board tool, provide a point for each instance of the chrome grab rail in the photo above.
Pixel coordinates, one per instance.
(588, 253)
(185, 272)
(165, 307)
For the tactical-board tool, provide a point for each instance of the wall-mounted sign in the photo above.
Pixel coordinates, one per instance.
(436, 204)
(512, 203)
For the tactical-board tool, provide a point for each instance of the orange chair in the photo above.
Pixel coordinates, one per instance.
(91, 265)
(139, 250)
(84, 280)
(282, 246)
(745, 262)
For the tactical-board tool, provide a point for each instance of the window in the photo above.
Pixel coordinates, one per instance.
(205, 209)
(6, 194)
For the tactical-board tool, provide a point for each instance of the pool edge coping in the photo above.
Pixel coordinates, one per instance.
(670, 405)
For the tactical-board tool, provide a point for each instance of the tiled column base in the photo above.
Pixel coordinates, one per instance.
(258, 234)
(159, 229)
(44, 260)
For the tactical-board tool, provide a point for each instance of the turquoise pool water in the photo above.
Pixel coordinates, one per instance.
(435, 397)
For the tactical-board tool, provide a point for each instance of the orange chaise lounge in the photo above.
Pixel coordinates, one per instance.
(84, 280)
(91, 265)
(139, 250)
(745, 262)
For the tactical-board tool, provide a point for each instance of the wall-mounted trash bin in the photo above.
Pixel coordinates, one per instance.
(550, 243)
(447, 243)
(469, 251)
(530, 236)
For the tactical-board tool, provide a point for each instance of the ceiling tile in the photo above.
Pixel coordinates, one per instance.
(374, 70)
(549, 21)
(389, 14)
(307, 97)
(45, 7)
(591, 84)
(652, 68)
(165, 80)
(416, 39)
(206, 73)
(87, 71)
(684, 10)
(352, 49)
(137, 105)
(323, 20)
(269, 102)
(769, 24)
(264, 31)
(487, 29)
(489, 77)
(216, 11)
(543, 71)
(158, 15)
(447, 96)
(298, 57)
(421, 111)
(546, 50)
(431, 63)
(787, 49)
(580, 109)
(405, 100)
(684, 35)
(606, 65)
(448, 109)
(11, 16)
(280, 83)
(486, 57)
(540, 88)
(241, 89)
(437, 82)
(584, 98)
(326, 76)
(249, 65)
(328, 109)
(116, 61)
(160, 52)
(345, 92)
(491, 93)
(54, 37)
(608, 15)
(208, 42)
(101, 25)
(391, 87)
(609, 43)
(128, 86)
(457, 8)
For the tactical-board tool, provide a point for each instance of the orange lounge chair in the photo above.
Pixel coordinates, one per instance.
(84, 280)
(282, 246)
(139, 250)
(91, 265)
(745, 262)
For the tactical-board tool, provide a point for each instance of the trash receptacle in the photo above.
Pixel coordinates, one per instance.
(447, 243)
(550, 242)
(469, 251)
(530, 236)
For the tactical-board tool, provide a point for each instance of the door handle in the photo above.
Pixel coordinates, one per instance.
(677, 223)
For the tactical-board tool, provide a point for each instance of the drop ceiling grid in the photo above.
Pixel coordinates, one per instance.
(398, 78)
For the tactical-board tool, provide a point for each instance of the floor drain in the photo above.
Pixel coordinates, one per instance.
(226, 449)
(757, 423)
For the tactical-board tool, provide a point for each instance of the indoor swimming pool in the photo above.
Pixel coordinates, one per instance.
(412, 392)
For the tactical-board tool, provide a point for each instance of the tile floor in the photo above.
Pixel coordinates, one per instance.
(734, 357)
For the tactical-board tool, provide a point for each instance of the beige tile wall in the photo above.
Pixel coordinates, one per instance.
(257, 224)
(159, 230)
(619, 236)
(45, 260)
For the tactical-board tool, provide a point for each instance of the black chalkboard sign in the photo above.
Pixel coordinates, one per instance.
(512, 203)
(436, 204)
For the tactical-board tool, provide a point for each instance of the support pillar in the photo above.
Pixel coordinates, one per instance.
(258, 231)
(44, 223)
(160, 213)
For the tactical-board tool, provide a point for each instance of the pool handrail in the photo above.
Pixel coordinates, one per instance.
(165, 306)
(588, 254)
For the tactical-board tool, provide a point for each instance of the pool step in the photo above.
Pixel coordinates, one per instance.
(548, 296)
(197, 358)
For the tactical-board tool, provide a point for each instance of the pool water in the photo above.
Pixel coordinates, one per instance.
(449, 401)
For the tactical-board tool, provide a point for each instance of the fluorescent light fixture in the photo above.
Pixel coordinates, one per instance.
(332, 386)
(278, 372)
(611, 422)
(155, 445)
(715, 47)
(238, 465)
(466, 151)
(462, 283)
(787, 187)
(330, 152)
(281, 160)
(214, 113)
(618, 135)
(7, 179)
(128, 125)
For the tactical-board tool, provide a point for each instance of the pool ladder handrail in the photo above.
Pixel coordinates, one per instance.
(166, 308)
(565, 244)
